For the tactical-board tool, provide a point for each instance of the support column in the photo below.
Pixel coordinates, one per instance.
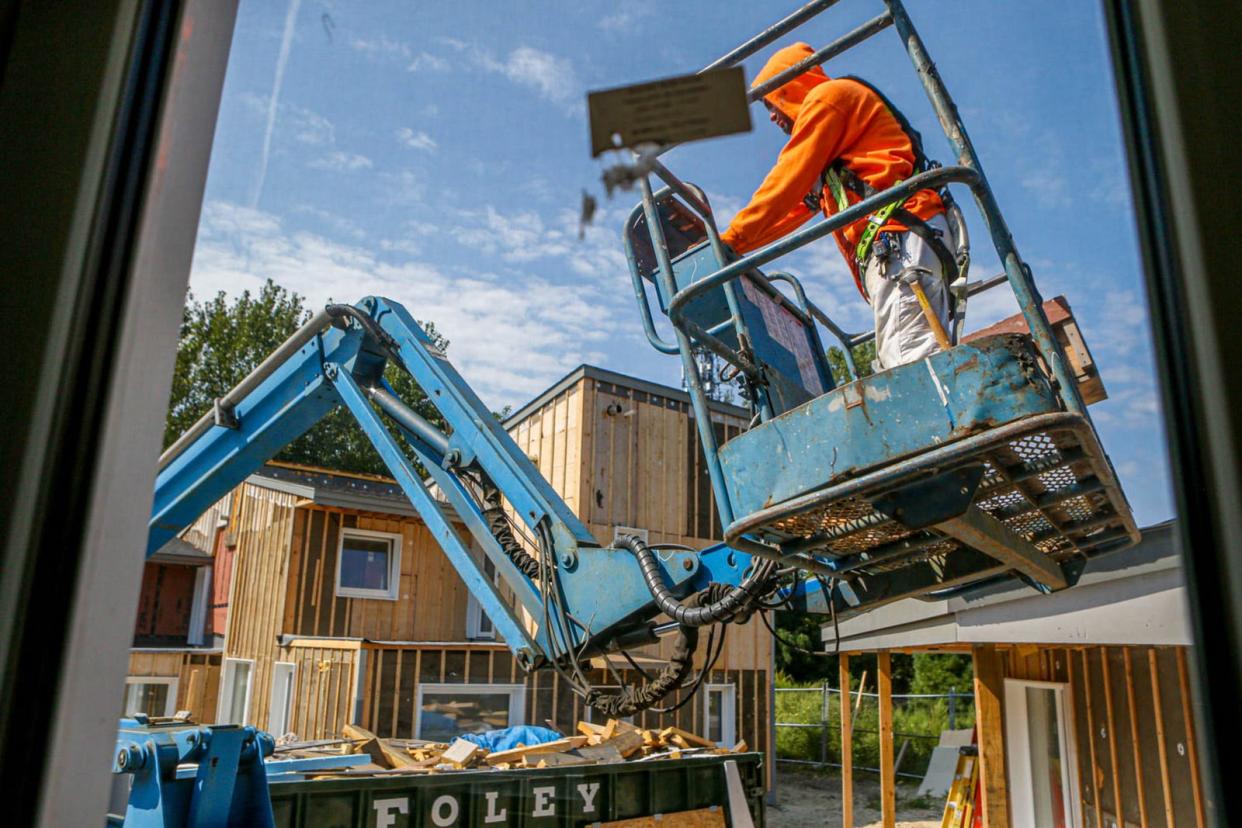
(888, 779)
(847, 745)
(989, 722)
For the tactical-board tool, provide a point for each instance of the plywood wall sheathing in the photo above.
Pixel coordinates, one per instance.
(623, 457)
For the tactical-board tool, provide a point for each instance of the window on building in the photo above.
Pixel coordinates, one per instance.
(719, 712)
(1043, 769)
(198, 607)
(445, 711)
(282, 698)
(478, 625)
(152, 695)
(368, 564)
(235, 685)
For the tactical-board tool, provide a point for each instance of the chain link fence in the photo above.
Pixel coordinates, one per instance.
(808, 727)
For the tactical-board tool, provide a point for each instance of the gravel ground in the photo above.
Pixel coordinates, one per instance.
(813, 800)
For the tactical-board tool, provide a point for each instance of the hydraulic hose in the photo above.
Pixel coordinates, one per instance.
(734, 601)
(498, 524)
(638, 697)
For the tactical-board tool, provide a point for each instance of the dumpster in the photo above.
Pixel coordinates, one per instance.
(692, 791)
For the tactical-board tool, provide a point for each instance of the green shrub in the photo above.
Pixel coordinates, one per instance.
(919, 721)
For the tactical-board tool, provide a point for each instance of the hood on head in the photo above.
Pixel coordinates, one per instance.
(789, 97)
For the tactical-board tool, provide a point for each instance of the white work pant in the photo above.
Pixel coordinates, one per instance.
(902, 333)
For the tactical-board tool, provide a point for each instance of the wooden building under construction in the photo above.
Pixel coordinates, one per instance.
(331, 603)
(1085, 712)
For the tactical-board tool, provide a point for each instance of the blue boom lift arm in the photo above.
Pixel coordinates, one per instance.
(585, 598)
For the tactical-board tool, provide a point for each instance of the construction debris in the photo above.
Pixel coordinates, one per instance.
(461, 754)
(611, 742)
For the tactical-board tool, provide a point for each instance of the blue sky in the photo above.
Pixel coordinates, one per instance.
(436, 153)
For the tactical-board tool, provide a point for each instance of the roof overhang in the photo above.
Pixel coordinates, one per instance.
(178, 551)
(613, 378)
(343, 499)
(1135, 597)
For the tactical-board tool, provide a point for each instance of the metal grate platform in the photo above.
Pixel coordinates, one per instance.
(1045, 478)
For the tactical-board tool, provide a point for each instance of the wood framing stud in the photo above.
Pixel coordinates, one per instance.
(1192, 749)
(888, 780)
(1134, 739)
(847, 744)
(989, 720)
(1164, 753)
(1111, 724)
(1096, 781)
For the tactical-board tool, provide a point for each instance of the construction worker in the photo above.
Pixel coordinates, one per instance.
(846, 142)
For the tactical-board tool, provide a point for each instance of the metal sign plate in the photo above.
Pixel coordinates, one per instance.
(669, 111)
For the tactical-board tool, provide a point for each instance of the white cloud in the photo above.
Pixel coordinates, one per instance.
(342, 162)
(622, 21)
(382, 47)
(405, 246)
(339, 224)
(303, 125)
(551, 76)
(1050, 189)
(403, 187)
(309, 127)
(511, 334)
(427, 62)
(515, 237)
(626, 20)
(416, 139)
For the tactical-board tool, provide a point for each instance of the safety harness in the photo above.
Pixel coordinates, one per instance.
(837, 178)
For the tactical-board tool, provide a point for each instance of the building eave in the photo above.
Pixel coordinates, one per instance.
(594, 372)
(1135, 597)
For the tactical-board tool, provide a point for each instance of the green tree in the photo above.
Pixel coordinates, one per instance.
(942, 672)
(796, 634)
(864, 358)
(222, 341)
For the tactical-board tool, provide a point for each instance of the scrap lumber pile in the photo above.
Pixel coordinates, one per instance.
(614, 741)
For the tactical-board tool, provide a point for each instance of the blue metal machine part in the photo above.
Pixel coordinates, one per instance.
(325, 365)
(977, 463)
(187, 775)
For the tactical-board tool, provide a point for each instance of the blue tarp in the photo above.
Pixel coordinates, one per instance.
(511, 737)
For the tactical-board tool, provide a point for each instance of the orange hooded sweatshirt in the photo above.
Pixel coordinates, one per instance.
(832, 119)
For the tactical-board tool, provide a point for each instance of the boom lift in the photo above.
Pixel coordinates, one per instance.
(976, 464)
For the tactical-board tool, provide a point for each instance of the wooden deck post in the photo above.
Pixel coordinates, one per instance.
(888, 780)
(989, 720)
(847, 744)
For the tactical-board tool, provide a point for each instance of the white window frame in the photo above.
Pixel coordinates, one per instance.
(728, 712)
(474, 609)
(517, 699)
(170, 704)
(227, 673)
(1018, 753)
(281, 670)
(196, 635)
(394, 566)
